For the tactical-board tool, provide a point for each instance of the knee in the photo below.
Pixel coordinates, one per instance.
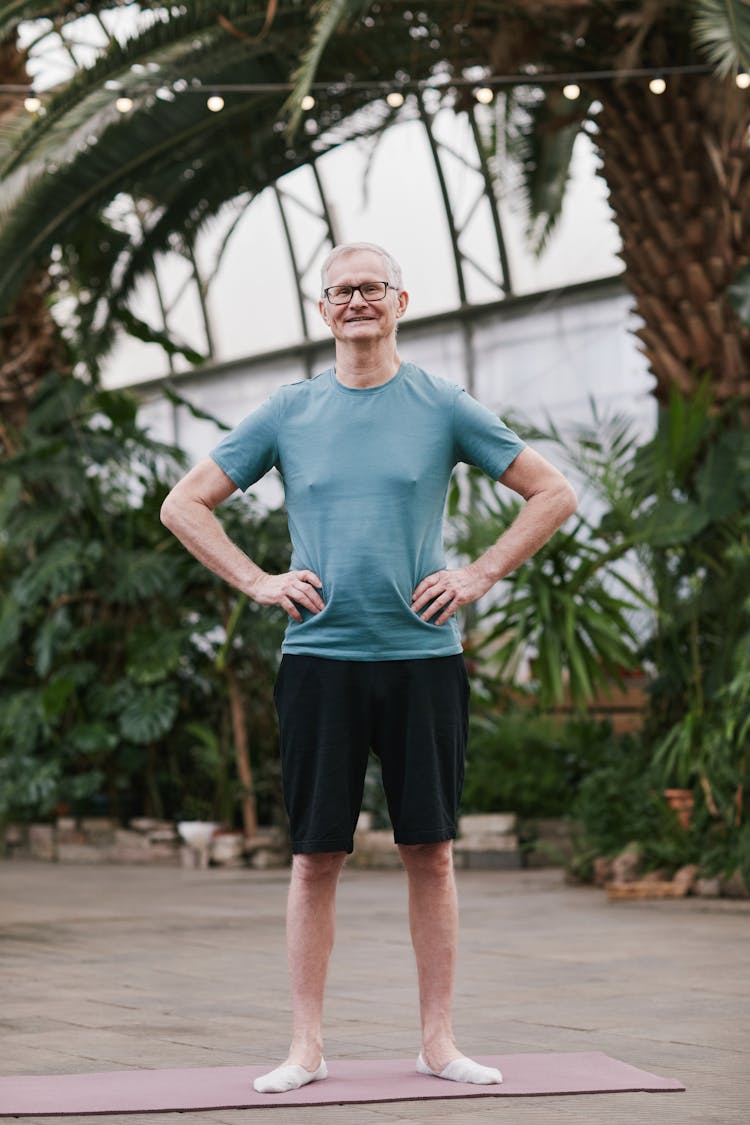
(428, 859)
(318, 866)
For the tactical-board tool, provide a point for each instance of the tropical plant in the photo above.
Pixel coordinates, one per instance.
(527, 762)
(564, 606)
(674, 162)
(682, 501)
(619, 803)
(130, 672)
(677, 164)
(30, 343)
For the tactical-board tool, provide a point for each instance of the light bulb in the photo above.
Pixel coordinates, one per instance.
(484, 95)
(572, 91)
(395, 99)
(124, 104)
(307, 102)
(743, 80)
(215, 103)
(32, 103)
(657, 85)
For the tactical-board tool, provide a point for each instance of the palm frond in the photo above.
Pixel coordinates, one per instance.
(188, 41)
(326, 16)
(60, 11)
(541, 141)
(721, 30)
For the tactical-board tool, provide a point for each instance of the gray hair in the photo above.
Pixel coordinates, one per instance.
(392, 268)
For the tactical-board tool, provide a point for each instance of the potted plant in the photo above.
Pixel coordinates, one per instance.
(678, 760)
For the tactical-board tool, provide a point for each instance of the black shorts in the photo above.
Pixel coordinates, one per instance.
(413, 714)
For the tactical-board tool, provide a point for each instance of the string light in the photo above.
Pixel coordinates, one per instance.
(743, 80)
(483, 94)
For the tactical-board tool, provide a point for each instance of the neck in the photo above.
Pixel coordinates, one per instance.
(368, 364)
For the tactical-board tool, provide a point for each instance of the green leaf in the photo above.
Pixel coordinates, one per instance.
(150, 714)
(22, 721)
(154, 653)
(62, 568)
(138, 574)
(541, 136)
(10, 623)
(326, 16)
(173, 395)
(51, 637)
(674, 522)
(28, 787)
(55, 696)
(142, 331)
(92, 738)
(120, 406)
(721, 29)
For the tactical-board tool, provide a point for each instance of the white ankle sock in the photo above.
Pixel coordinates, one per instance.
(463, 1070)
(288, 1077)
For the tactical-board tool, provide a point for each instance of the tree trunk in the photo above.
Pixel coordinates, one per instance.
(30, 340)
(244, 769)
(678, 169)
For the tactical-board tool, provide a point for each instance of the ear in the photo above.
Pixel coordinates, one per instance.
(403, 302)
(323, 310)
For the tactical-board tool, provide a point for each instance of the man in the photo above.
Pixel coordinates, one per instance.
(372, 655)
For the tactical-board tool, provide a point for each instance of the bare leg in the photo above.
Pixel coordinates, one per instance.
(433, 918)
(310, 924)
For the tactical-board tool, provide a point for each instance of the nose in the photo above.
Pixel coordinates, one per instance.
(357, 300)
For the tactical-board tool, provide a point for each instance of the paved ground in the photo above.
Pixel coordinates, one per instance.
(109, 967)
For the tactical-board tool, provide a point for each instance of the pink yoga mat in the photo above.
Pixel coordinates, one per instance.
(381, 1080)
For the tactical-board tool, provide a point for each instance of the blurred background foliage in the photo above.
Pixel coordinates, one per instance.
(113, 639)
(120, 655)
(673, 534)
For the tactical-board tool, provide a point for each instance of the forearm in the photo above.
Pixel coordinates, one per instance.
(537, 521)
(198, 529)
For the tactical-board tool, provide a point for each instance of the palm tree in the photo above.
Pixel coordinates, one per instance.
(29, 341)
(677, 164)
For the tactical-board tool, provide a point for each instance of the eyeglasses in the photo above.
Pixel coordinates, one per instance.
(370, 290)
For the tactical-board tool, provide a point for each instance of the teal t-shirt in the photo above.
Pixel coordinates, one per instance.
(366, 476)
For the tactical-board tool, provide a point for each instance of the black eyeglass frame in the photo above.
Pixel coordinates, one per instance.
(358, 289)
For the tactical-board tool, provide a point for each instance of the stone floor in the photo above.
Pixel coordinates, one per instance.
(109, 967)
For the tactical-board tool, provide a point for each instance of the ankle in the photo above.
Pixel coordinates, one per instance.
(439, 1049)
(306, 1052)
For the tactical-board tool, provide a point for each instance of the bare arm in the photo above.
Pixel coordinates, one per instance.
(550, 499)
(188, 512)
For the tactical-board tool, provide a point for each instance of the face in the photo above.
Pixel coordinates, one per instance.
(361, 319)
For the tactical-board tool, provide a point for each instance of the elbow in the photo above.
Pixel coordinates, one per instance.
(166, 512)
(569, 501)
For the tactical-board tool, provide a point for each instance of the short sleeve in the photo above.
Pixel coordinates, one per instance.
(480, 438)
(249, 451)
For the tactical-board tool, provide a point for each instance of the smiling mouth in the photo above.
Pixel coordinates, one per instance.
(357, 319)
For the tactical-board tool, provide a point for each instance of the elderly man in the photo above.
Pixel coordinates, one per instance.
(372, 655)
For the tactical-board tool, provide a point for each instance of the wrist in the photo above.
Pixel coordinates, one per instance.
(251, 584)
(482, 569)
(488, 568)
